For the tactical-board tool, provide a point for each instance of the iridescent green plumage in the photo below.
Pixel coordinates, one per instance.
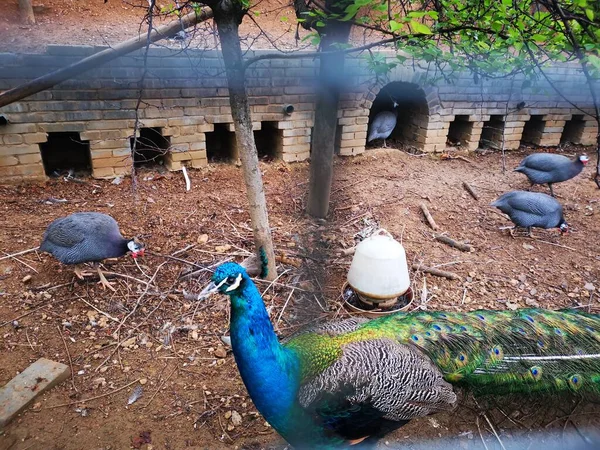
(487, 351)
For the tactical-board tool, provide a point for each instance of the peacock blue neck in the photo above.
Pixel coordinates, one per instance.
(269, 371)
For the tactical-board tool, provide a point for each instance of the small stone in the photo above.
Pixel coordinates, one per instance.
(220, 352)
(228, 415)
(512, 305)
(236, 419)
(151, 200)
(514, 282)
(589, 287)
(37, 405)
(230, 427)
(522, 278)
(143, 380)
(126, 369)
(103, 369)
(528, 247)
(194, 335)
(202, 239)
(222, 248)
(26, 278)
(533, 291)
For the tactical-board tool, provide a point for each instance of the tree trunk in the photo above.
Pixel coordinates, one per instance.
(326, 109)
(26, 11)
(597, 176)
(227, 17)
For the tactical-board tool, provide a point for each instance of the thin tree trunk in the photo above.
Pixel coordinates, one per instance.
(26, 11)
(324, 132)
(97, 59)
(226, 18)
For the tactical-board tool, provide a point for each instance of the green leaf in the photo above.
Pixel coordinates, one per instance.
(539, 38)
(284, 19)
(320, 24)
(419, 28)
(589, 14)
(394, 26)
(416, 14)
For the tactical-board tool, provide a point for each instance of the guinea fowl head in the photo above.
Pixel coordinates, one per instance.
(583, 159)
(563, 226)
(135, 247)
(227, 279)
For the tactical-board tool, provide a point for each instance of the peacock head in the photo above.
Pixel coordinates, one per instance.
(583, 159)
(228, 278)
(135, 247)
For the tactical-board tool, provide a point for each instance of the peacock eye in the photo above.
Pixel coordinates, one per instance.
(230, 279)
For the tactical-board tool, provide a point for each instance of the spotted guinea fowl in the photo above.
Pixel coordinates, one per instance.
(383, 124)
(88, 237)
(532, 209)
(548, 168)
(351, 381)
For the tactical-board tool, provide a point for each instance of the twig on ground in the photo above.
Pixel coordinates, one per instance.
(552, 243)
(137, 303)
(85, 400)
(188, 184)
(470, 190)
(436, 272)
(284, 306)
(69, 356)
(23, 252)
(114, 319)
(429, 217)
(159, 388)
(452, 243)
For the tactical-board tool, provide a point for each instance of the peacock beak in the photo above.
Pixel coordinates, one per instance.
(208, 291)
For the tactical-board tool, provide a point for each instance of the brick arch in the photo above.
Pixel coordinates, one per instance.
(399, 74)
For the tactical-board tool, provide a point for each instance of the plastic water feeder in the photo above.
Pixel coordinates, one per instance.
(378, 281)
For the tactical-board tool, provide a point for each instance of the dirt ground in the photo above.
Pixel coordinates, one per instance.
(93, 22)
(192, 394)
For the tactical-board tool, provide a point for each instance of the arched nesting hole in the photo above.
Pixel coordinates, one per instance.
(491, 134)
(460, 131)
(269, 141)
(533, 130)
(220, 144)
(411, 113)
(150, 147)
(573, 131)
(65, 152)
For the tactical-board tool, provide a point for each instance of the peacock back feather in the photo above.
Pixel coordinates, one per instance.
(488, 351)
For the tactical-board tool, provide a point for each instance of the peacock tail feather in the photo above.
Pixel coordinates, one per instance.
(491, 352)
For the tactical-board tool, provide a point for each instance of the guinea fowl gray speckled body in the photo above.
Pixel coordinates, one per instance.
(87, 237)
(383, 124)
(532, 209)
(547, 168)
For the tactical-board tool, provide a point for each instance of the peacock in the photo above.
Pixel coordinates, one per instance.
(351, 381)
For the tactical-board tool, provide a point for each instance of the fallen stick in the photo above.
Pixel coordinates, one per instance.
(470, 190)
(188, 184)
(429, 218)
(24, 252)
(452, 243)
(85, 400)
(436, 272)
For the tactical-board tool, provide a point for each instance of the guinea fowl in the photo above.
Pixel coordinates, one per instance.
(542, 168)
(532, 209)
(349, 382)
(88, 237)
(383, 124)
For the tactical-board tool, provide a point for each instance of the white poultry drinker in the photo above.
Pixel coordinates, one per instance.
(379, 272)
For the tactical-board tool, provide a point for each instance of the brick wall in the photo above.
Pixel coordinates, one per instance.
(185, 96)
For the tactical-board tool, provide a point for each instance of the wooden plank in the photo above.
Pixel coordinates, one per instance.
(29, 384)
